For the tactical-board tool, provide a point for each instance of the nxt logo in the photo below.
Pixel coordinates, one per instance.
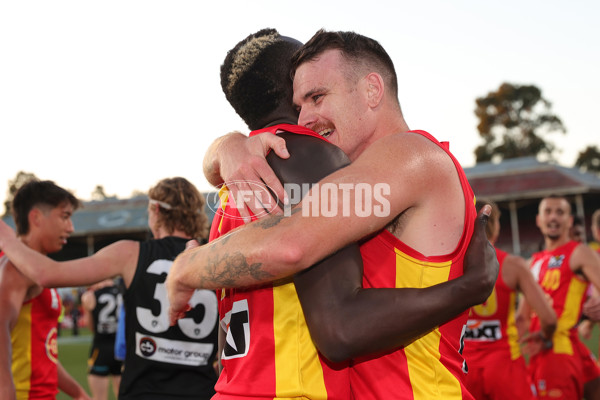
(487, 331)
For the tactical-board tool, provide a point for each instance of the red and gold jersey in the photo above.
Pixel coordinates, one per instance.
(566, 290)
(432, 366)
(35, 348)
(268, 351)
(491, 325)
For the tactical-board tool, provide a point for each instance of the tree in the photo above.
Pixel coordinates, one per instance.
(512, 121)
(99, 194)
(588, 160)
(13, 185)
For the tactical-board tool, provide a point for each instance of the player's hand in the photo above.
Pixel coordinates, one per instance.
(82, 396)
(481, 264)
(591, 308)
(585, 329)
(534, 342)
(178, 294)
(244, 169)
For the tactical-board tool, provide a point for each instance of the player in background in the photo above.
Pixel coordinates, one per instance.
(497, 369)
(100, 305)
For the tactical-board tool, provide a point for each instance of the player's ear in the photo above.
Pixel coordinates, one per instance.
(35, 216)
(375, 89)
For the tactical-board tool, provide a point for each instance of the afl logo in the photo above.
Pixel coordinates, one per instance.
(147, 346)
(247, 191)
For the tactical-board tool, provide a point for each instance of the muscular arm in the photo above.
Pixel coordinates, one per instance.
(339, 312)
(69, 385)
(13, 291)
(517, 276)
(586, 261)
(119, 258)
(221, 164)
(276, 247)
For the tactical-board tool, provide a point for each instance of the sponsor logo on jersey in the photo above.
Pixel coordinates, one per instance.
(556, 261)
(485, 331)
(52, 345)
(173, 351)
(237, 340)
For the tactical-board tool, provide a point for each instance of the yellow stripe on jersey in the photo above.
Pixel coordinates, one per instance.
(223, 197)
(424, 371)
(298, 370)
(511, 327)
(569, 317)
(21, 352)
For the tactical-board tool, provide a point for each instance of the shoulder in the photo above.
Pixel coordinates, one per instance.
(11, 277)
(409, 151)
(583, 254)
(14, 285)
(311, 159)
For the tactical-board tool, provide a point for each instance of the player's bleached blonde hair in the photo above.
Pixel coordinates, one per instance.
(255, 75)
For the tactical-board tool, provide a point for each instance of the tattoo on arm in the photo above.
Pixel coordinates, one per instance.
(227, 270)
(274, 220)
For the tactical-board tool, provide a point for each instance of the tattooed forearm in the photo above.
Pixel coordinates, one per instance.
(231, 270)
(269, 222)
(274, 220)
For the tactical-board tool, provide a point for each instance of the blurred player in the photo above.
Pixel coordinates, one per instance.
(162, 361)
(497, 369)
(564, 270)
(29, 365)
(101, 303)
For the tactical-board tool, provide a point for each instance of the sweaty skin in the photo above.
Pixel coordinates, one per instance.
(340, 314)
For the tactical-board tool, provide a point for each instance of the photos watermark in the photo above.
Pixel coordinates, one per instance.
(316, 200)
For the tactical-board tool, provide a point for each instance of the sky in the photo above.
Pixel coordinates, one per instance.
(125, 93)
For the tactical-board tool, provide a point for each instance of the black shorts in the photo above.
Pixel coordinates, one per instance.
(102, 360)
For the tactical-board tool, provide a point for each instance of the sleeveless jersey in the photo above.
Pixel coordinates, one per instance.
(102, 361)
(567, 291)
(105, 314)
(165, 361)
(268, 351)
(432, 366)
(35, 348)
(491, 325)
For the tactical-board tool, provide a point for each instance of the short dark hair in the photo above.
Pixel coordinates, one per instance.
(37, 193)
(255, 75)
(357, 49)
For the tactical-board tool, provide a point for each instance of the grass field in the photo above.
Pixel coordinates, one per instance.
(73, 353)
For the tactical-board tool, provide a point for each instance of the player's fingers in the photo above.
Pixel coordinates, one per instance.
(276, 143)
(276, 193)
(484, 214)
(234, 198)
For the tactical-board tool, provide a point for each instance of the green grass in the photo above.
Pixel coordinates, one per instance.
(73, 354)
(593, 342)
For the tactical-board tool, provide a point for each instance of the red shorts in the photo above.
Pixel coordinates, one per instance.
(560, 376)
(494, 376)
(591, 370)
